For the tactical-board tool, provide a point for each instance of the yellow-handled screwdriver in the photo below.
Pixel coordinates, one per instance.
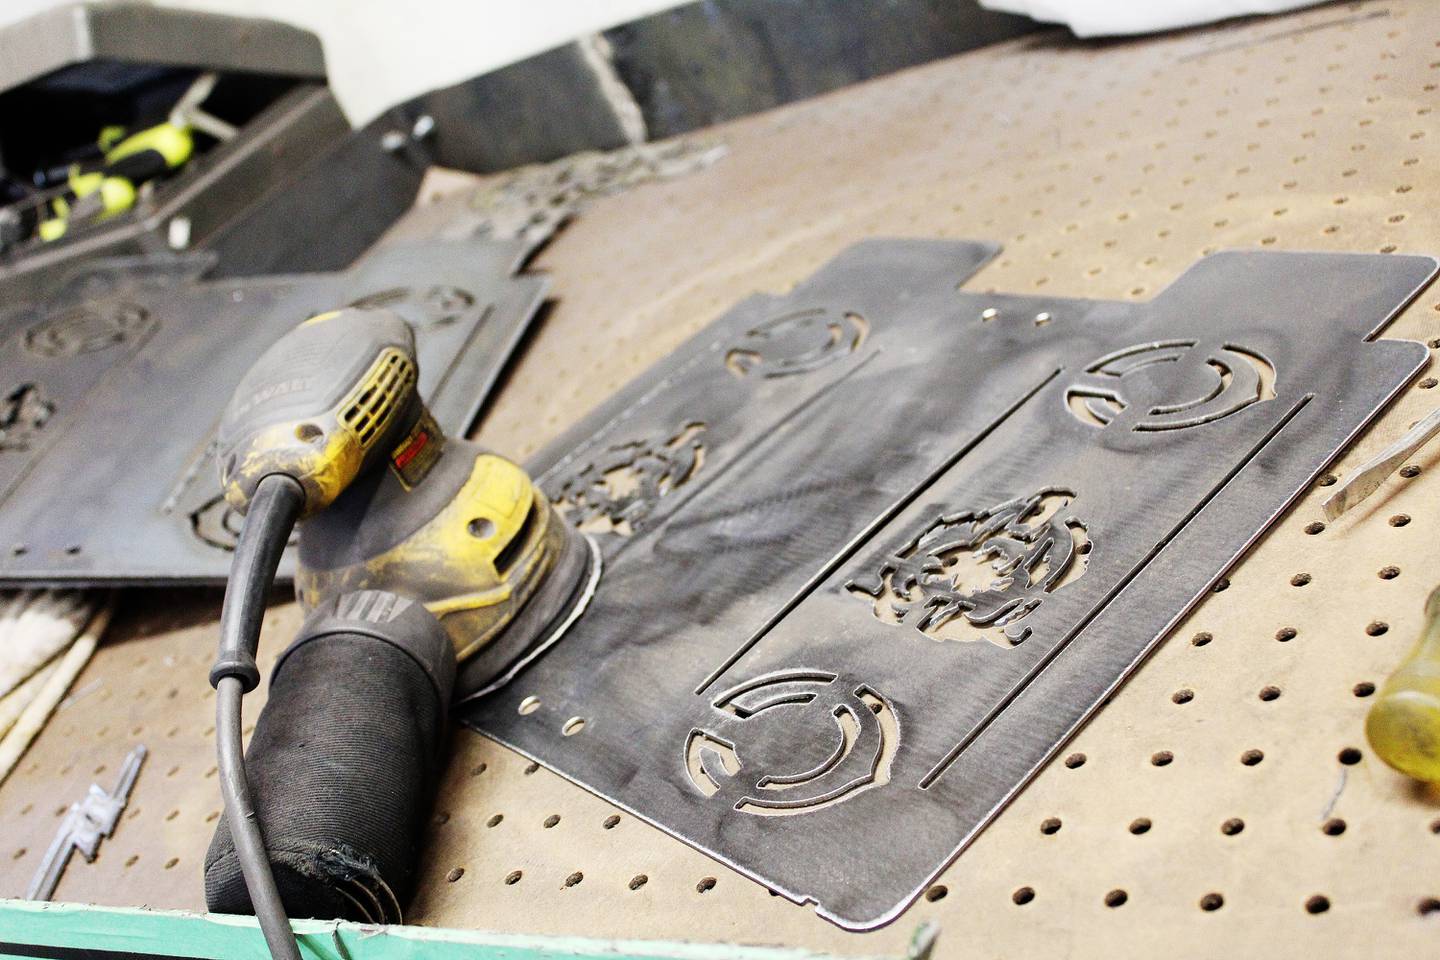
(1404, 723)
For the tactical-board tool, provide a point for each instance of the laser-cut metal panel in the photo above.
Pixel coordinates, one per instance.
(56, 350)
(118, 484)
(850, 607)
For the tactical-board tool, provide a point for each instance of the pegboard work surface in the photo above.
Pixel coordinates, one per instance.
(1225, 802)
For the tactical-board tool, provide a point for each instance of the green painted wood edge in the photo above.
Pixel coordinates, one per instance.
(165, 933)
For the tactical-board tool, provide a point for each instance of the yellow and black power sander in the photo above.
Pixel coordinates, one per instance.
(431, 570)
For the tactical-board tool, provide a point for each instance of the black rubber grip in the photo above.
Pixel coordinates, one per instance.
(343, 766)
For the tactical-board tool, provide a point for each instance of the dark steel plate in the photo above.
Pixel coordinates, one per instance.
(112, 391)
(877, 547)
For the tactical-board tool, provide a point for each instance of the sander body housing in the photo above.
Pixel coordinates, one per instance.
(430, 568)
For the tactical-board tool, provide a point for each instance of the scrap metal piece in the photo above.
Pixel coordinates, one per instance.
(1367, 478)
(767, 670)
(531, 202)
(85, 825)
(107, 473)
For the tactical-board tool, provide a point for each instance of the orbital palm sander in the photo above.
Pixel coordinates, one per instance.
(432, 570)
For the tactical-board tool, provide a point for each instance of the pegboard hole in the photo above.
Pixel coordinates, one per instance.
(1300, 580)
(513, 877)
(1349, 756)
(551, 821)
(1200, 639)
(1314, 527)
(1140, 825)
(1399, 520)
(1326, 481)
(1222, 585)
(1286, 634)
(1363, 689)
(1410, 472)
(1116, 898)
(638, 881)
(478, 769)
(495, 820)
(1182, 696)
(1333, 827)
(1162, 758)
(528, 706)
(574, 879)
(1377, 627)
(707, 884)
(611, 822)
(1428, 906)
(1022, 896)
(1211, 902)
(170, 864)
(1251, 757)
(1388, 573)
(936, 893)
(1050, 826)
(454, 874)
(1232, 826)
(1317, 904)
(530, 768)
(1269, 693)
(1075, 761)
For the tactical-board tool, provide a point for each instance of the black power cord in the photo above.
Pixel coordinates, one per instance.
(273, 511)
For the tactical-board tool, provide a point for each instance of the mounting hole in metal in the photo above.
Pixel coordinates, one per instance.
(529, 705)
(573, 726)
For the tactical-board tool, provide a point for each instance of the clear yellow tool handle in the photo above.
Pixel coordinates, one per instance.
(1404, 724)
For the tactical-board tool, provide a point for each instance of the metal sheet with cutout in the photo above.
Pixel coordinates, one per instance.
(874, 549)
(110, 393)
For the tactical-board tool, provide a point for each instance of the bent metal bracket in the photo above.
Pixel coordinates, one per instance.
(875, 548)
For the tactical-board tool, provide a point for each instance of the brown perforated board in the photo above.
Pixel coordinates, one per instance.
(1104, 169)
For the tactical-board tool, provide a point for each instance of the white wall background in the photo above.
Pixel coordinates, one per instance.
(380, 52)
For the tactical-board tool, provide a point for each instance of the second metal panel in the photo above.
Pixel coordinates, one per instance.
(875, 548)
(115, 483)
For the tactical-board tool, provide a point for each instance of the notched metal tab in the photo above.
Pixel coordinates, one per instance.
(922, 535)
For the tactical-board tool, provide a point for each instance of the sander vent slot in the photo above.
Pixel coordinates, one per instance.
(372, 405)
(506, 558)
